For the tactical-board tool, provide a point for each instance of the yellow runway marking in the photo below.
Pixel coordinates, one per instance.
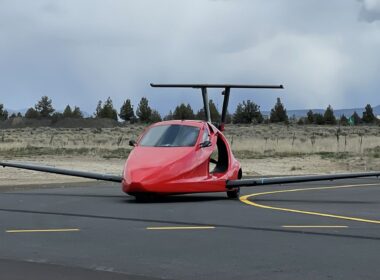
(175, 228)
(315, 226)
(42, 230)
(245, 199)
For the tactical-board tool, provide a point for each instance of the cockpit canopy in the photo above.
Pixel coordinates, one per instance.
(172, 135)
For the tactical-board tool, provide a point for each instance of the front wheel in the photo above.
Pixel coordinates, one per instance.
(233, 194)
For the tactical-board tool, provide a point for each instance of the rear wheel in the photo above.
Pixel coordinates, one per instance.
(233, 194)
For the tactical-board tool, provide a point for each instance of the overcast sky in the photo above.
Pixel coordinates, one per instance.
(80, 51)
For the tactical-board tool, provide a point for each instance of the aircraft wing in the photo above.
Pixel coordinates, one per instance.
(83, 174)
(296, 179)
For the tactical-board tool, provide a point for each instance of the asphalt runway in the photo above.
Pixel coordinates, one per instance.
(328, 230)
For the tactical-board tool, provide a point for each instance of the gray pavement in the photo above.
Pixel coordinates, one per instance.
(107, 233)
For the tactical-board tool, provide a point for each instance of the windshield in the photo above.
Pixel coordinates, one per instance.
(170, 136)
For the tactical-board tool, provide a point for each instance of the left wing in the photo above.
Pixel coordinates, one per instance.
(296, 179)
(48, 169)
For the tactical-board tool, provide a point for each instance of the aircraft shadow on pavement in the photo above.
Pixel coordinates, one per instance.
(175, 199)
(187, 198)
(131, 199)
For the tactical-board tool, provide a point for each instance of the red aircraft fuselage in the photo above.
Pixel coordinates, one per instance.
(162, 169)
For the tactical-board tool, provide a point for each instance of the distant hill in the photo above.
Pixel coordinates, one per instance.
(338, 113)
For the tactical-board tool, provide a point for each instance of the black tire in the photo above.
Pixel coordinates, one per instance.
(234, 194)
(240, 174)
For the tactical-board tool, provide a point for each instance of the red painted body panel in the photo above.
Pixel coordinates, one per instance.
(175, 170)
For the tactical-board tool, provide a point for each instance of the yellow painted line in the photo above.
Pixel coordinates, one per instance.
(180, 228)
(245, 199)
(315, 226)
(42, 230)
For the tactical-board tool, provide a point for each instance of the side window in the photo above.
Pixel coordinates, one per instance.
(205, 136)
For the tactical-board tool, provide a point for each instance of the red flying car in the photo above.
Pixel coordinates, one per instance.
(175, 157)
(178, 157)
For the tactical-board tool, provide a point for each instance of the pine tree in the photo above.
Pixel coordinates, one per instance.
(77, 113)
(143, 111)
(67, 113)
(355, 119)
(310, 117)
(155, 116)
(318, 119)
(3, 113)
(247, 112)
(183, 112)
(190, 111)
(55, 117)
(215, 116)
(98, 110)
(44, 107)
(32, 113)
(343, 120)
(240, 115)
(126, 111)
(200, 115)
(328, 116)
(278, 113)
(108, 111)
(214, 113)
(368, 116)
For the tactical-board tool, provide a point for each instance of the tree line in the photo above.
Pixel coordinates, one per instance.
(246, 112)
(328, 117)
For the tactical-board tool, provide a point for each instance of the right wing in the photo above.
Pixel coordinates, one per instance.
(296, 179)
(48, 169)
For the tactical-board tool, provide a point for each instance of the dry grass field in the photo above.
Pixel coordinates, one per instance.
(262, 149)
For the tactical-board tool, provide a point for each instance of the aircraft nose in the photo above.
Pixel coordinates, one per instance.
(130, 186)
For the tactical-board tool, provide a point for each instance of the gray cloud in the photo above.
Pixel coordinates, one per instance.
(370, 10)
(78, 52)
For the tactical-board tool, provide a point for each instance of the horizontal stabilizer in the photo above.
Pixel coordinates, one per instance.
(214, 86)
(295, 179)
(48, 169)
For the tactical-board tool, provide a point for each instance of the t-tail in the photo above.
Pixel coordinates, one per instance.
(226, 93)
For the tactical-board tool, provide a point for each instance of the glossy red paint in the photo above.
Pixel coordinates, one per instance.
(178, 170)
